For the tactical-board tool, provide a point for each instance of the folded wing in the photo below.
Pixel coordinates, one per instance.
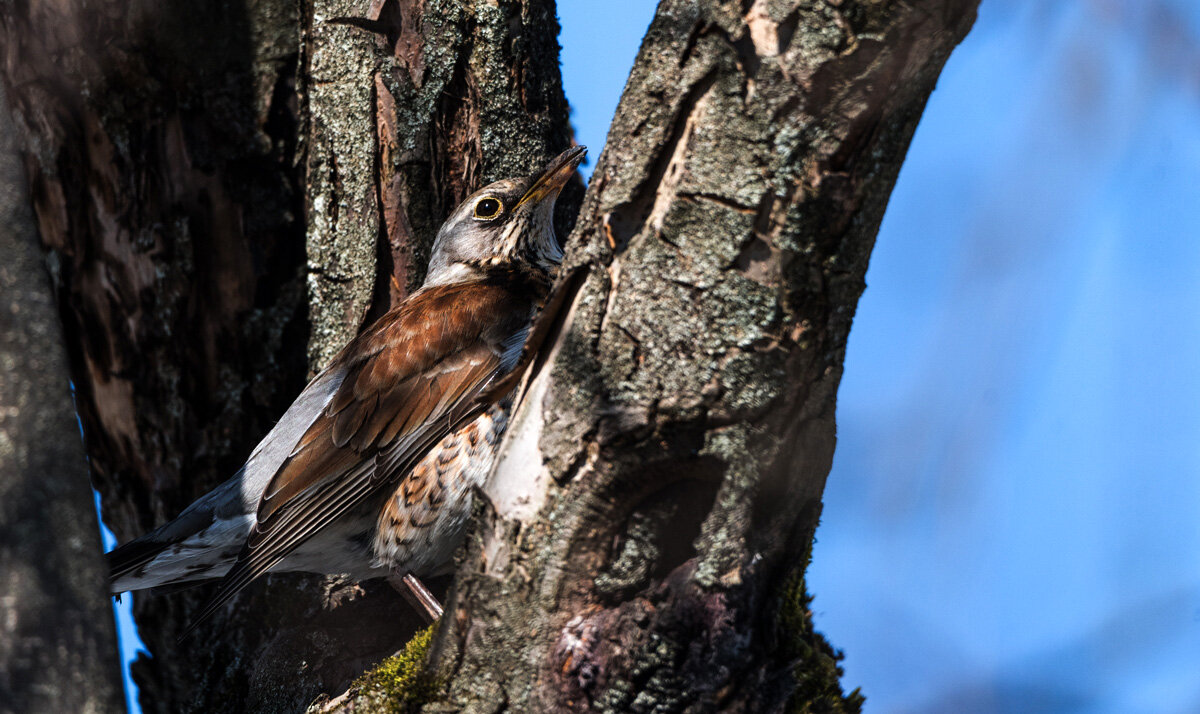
(411, 379)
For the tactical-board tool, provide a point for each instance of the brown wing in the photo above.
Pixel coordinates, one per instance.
(411, 379)
(365, 418)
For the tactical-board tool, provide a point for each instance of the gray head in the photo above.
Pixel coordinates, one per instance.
(510, 221)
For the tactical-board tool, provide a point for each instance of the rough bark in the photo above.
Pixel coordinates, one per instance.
(58, 647)
(671, 456)
(412, 105)
(228, 189)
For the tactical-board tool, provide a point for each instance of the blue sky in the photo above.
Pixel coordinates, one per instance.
(128, 642)
(1011, 524)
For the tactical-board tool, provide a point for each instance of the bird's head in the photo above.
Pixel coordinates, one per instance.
(507, 222)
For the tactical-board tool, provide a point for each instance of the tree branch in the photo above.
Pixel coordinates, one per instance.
(685, 426)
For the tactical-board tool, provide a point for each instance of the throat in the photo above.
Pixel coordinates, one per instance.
(520, 277)
(454, 273)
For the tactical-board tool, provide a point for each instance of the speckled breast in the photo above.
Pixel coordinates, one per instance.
(424, 521)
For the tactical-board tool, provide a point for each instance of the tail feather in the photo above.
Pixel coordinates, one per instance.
(151, 563)
(131, 558)
(204, 541)
(200, 544)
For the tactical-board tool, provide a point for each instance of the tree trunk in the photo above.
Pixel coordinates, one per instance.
(652, 510)
(229, 189)
(58, 648)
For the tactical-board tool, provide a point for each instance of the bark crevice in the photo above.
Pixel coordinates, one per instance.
(221, 186)
(724, 240)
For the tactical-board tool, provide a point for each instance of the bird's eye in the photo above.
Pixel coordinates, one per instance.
(488, 208)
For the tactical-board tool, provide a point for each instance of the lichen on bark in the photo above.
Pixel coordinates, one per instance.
(413, 105)
(343, 209)
(174, 152)
(724, 240)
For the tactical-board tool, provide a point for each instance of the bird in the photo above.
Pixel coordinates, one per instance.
(370, 471)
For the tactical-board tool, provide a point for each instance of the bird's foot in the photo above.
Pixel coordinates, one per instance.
(417, 595)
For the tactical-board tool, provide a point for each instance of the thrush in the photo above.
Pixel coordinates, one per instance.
(370, 471)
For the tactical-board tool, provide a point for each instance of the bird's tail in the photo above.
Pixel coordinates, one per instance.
(200, 544)
(127, 564)
(150, 562)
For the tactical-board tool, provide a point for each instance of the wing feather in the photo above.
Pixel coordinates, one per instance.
(266, 549)
(412, 378)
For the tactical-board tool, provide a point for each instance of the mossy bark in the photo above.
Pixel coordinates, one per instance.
(227, 190)
(676, 446)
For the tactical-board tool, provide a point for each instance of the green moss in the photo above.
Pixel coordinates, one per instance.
(400, 684)
(818, 675)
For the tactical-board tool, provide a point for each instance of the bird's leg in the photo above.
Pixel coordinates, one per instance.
(417, 595)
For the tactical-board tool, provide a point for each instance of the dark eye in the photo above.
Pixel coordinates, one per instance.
(487, 208)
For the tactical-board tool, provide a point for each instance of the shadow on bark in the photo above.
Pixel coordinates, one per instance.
(189, 164)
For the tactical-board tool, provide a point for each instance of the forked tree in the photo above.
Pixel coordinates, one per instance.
(227, 191)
